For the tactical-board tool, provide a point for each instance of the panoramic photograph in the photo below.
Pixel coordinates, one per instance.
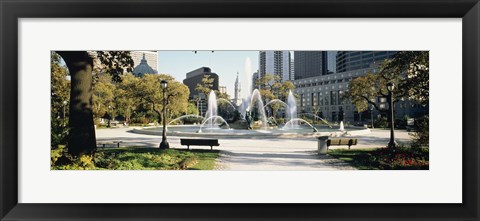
(239, 110)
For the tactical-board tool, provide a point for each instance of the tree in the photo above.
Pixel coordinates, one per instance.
(80, 66)
(413, 66)
(149, 92)
(103, 96)
(60, 93)
(222, 95)
(126, 101)
(192, 109)
(206, 86)
(271, 87)
(408, 70)
(59, 86)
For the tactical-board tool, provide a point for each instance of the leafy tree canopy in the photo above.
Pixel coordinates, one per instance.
(206, 86)
(271, 87)
(114, 63)
(408, 70)
(149, 91)
(59, 86)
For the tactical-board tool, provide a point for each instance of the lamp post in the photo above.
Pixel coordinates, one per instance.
(371, 115)
(390, 88)
(64, 105)
(164, 144)
(109, 116)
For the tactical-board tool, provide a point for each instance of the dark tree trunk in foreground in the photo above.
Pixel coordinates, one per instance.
(82, 131)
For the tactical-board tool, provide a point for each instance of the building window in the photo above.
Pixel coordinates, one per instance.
(320, 99)
(333, 97)
(314, 100)
(340, 99)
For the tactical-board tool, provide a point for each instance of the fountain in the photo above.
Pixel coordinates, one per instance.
(223, 100)
(247, 87)
(292, 110)
(213, 119)
(257, 104)
(212, 109)
(277, 101)
(291, 122)
(318, 117)
(342, 128)
(184, 117)
(253, 122)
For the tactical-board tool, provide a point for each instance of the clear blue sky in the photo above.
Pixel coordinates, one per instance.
(224, 63)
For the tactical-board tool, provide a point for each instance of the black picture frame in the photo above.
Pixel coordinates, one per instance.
(12, 10)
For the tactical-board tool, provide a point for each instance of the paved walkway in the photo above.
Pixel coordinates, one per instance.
(260, 154)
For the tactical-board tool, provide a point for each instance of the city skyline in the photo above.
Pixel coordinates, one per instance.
(224, 63)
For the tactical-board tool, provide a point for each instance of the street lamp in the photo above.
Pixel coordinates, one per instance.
(64, 105)
(164, 144)
(390, 88)
(371, 115)
(110, 108)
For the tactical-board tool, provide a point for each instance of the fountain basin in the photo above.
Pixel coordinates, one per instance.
(299, 132)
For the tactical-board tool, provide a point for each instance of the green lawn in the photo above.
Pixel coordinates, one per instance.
(136, 158)
(400, 158)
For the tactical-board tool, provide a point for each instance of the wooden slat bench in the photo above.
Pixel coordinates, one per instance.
(104, 144)
(342, 142)
(199, 142)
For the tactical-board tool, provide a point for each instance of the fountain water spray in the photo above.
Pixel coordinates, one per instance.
(318, 117)
(278, 101)
(342, 128)
(247, 87)
(185, 116)
(248, 75)
(212, 119)
(226, 101)
(212, 109)
(295, 121)
(257, 99)
(292, 110)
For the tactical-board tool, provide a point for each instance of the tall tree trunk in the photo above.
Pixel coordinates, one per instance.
(82, 131)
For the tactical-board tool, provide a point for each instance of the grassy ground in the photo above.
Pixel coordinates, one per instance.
(135, 158)
(401, 158)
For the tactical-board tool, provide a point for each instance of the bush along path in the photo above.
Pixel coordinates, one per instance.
(400, 158)
(135, 158)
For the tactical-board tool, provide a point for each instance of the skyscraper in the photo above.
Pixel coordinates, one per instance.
(310, 64)
(255, 78)
(354, 60)
(332, 62)
(292, 69)
(275, 63)
(196, 76)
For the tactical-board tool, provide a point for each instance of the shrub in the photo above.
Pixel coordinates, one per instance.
(64, 161)
(56, 153)
(58, 132)
(381, 123)
(400, 158)
(421, 136)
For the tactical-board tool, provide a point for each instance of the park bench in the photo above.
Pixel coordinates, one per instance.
(117, 143)
(199, 142)
(342, 142)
